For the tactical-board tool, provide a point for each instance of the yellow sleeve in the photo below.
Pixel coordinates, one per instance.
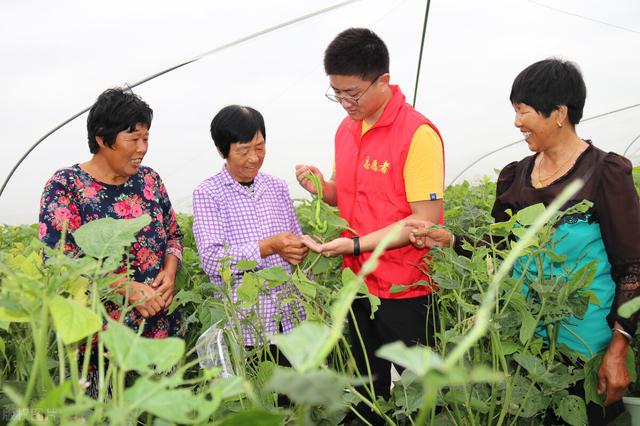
(424, 168)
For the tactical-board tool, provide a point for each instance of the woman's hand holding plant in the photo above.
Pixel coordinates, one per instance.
(425, 235)
(145, 299)
(286, 244)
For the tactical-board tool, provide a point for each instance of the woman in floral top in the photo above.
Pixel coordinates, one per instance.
(113, 183)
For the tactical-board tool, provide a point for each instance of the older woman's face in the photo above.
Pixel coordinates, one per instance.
(245, 159)
(126, 154)
(537, 130)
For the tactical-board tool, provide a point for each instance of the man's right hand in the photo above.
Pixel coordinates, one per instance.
(302, 171)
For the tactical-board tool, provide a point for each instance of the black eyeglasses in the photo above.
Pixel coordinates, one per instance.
(349, 99)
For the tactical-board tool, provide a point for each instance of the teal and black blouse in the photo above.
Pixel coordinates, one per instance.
(608, 232)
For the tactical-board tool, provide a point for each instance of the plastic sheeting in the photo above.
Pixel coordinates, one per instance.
(58, 57)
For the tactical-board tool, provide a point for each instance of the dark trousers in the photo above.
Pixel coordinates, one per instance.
(396, 319)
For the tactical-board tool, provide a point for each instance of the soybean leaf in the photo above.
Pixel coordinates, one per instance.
(458, 398)
(253, 417)
(132, 352)
(482, 374)
(533, 365)
(302, 283)
(55, 397)
(183, 297)
(397, 288)
(228, 387)
(72, 320)
(303, 346)
(536, 403)
(579, 279)
(276, 274)
(528, 326)
(350, 286)
(248, 290)
(374, 301)
(322, 265)
(408, 392)
(313, 388)
(572, 410)
(529, 215)
(246, 265)
(263, 373)
(419, 360)
(108, 237)
(175, 405)
(591, 380)
(508, 347)
(9, 315)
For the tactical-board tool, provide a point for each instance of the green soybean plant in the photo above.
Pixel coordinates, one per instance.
(490, 364)
(60, 302)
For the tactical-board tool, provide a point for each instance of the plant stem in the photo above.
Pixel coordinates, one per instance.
(61, 363)
(373, 407)
(34, 372)
(428, 406)
(551, 335)
(41, 335)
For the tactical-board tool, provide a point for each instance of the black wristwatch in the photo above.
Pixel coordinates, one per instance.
(356, 246)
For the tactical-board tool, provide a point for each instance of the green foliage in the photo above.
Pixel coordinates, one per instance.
(58, 301)
(320, 387)
(134, 353)
(193, 290)
(73, 321)
(323, 222)
(254, 417)
(109, 237)
(468, 206)
(490, 365)
(525, 378)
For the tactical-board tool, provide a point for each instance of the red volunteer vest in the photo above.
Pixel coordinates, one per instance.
(372, 195)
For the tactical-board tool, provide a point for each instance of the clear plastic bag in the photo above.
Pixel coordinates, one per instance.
(213, 351)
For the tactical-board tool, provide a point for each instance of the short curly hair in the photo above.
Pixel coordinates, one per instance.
(115, 110)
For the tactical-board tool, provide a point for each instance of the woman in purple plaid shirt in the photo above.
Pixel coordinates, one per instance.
(242, 214)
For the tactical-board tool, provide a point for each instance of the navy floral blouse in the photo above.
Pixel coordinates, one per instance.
(72, 196)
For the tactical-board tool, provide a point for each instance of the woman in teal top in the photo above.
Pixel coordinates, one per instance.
(548, 98)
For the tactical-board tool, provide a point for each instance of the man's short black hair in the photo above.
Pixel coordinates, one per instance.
(236, 123)
(357, 52)
(549, 84)
(115, 110)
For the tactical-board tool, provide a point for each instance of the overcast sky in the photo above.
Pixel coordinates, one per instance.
(57, 57)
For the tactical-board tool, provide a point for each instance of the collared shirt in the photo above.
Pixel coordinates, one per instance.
(229, 220)
(372, 192)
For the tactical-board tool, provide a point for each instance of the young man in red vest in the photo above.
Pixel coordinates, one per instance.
(389, 166)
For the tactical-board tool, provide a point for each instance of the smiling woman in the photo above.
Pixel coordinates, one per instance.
(548, 97)
(113, 183)
(243, 214)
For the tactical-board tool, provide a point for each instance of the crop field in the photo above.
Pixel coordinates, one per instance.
(489, 365)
